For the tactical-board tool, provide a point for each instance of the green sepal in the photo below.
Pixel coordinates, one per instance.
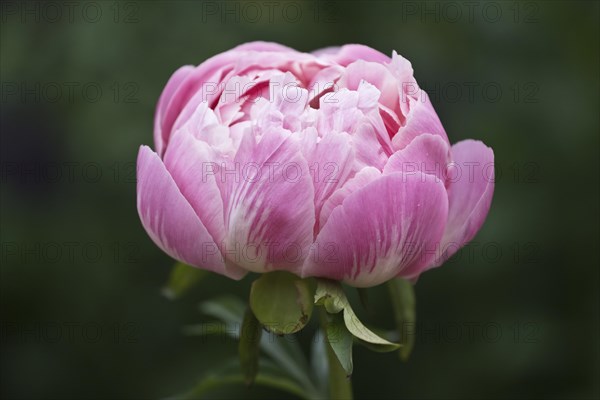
(331, 295)
(282, 302)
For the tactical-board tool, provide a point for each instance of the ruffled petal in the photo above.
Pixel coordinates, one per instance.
(377, 75)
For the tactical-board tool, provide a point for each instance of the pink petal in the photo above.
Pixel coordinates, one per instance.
(241, 93)
(427, 153)
(402, 70)
(357, 112)
(204, 125)
(202, 84)
(330, 162)
(369, 151)
(360, 180)
(170, 220)
(322, 82)
(164, 99)
(193, 164)
(351, 52)
(421, 118)
(269, 209)
(469, 193)
(264, 46)
(288, 96)
(207, 82)
(376, 74)
(380, 231)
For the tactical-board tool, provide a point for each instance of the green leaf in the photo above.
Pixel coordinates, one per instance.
(249, 345)
(285, 352)
(282, 302)
(331, 295)
(182, 278)
(216, 328)
(403, 302)
(288, 355)
(269, 376)
(228, 309)
(340, 340)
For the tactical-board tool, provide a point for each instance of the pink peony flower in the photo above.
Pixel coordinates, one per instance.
(329, 164)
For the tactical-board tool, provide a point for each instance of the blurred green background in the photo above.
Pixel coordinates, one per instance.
(514, 315)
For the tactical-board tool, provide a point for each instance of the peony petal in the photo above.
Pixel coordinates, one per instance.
(207, 82)
(360, 180)
(390, 226)
(357, 112)
(427, 153)
(369, 151)
(330, 162)
(421, 118)
(269, 204)
(202, 84)
(204, 125)
(164, 99)
(170, 220)
(323, 82)
(351, 52)
(402, 70)
(264, 46)
(377, 75)
(194, 166)
(241, 93)
(469, 193)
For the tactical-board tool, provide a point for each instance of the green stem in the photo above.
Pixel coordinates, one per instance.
(340, 386)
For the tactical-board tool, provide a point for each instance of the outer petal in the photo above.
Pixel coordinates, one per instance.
(469, 194)
(380, 231)
(427, 153)
(164, 99)
(360, 180)
(192, 164)
(170, 220)
(269, 209)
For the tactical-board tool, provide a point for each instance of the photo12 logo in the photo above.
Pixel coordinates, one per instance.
(69, 12)
(270, 12)
(71, 92)
(518, 12)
